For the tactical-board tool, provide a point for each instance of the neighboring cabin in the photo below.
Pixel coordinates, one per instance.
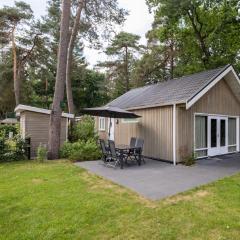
(196, 114)
(9, 121)
(34, 123)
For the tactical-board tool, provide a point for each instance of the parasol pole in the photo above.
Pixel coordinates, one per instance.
(109, 131)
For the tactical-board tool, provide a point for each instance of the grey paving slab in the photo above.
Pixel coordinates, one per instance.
(156, 180)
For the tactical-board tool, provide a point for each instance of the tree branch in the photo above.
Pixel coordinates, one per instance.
(29, 52)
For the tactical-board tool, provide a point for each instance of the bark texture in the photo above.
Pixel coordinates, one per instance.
(70, 56)
(55, 117)
(126, 69)
(15, 68)
(18, 64)
(197, 27)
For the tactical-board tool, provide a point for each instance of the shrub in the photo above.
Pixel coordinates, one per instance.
(6, 129)
(81, 150)
(84, 130)
(42, 153)
(2, 145)
(66, 150)
(12, 149)
(189, 161)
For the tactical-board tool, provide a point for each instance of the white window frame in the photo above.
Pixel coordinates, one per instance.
(237, 136)
(219, 115)
(102, 124)
(199, 149)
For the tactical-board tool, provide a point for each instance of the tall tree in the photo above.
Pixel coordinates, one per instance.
(204, 33)
(159, 60)
(55, 117)
(123, 50)
(92, 16)
(15, 22)
(81, 4)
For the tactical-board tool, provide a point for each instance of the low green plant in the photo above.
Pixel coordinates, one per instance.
(81, 151)
(66, 149)
(6, 129)
(12, 149)
(84, 130)
(189, 160)
(42, 153)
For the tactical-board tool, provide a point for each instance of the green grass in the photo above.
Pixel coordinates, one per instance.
(57, 200)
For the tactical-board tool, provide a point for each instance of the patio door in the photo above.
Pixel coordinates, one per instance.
(217, 135)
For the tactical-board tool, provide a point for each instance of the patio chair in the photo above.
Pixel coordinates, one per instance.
(133, 142)
(138, 152)
(130, 152)
(106, 156)
(115, 155)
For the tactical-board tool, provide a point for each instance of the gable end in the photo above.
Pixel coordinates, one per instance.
(231, 78)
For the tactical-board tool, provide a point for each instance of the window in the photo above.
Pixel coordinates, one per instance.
(213, 133)
(201, 136)
(232, 135)
(102, 126)
(223, 132)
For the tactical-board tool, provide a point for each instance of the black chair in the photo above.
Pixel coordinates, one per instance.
(106, 156)
(115, 155)
(133, 142)
(130, 152)
(138, 152)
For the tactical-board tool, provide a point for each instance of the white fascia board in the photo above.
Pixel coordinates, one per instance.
(20, 108)
(209, 86)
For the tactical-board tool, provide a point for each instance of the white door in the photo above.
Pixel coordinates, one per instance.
(111, 128)
(217, 135)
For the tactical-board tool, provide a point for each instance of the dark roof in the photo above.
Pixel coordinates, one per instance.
(177, 90)
(109, 111)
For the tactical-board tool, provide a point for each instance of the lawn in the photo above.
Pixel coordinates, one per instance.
(57, 200)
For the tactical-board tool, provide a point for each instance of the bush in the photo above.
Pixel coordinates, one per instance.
(84, 130)
(81, 151)
(66, 149)
(6, 129)
(189, 161)
(42, 153)
(12, 149)
(84, 138)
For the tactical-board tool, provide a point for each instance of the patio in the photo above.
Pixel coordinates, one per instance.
(156, 180)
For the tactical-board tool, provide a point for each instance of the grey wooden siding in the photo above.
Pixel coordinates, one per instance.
(155, 127)
(36, 126)
(219, 100)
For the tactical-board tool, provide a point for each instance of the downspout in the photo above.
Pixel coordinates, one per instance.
(174, 135)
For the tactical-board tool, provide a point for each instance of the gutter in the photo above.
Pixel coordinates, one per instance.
(154, 106)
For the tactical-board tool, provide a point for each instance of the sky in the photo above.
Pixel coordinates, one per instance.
(138, 22)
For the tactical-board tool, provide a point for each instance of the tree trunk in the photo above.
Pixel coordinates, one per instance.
(46, 93)
(70, 56)
(15, 70)
(200, 39)
(126, 69)
(55, 117)
(172, 60)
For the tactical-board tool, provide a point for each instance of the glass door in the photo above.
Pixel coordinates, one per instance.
(217, 135)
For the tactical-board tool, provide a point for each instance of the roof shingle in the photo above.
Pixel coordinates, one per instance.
(177, 90)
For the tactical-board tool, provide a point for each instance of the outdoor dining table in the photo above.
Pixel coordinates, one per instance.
(125, 149)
